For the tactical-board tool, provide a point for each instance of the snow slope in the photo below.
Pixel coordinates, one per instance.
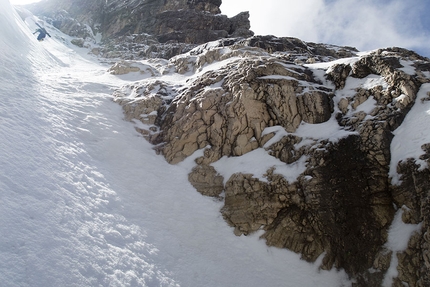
(86, 202)
(412, 134)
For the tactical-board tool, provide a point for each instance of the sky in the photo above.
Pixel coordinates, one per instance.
(364, 24)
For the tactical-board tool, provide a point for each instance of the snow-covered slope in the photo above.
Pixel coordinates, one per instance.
(288, 131)
(86, 202)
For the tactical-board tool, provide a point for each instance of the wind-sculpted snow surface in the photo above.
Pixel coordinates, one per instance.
(60, 220)
(85, 201)
(304, 144)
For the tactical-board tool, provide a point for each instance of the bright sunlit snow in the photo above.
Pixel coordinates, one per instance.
(257, 162)
(412, 134)
(85, 201)
(398, 238)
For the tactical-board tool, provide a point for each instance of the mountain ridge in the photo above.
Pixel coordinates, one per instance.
(263, 93)
(202, 21)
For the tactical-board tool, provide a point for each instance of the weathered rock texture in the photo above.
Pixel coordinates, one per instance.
(329, 122)
(413, 193)
(262, 93)
(182, 21)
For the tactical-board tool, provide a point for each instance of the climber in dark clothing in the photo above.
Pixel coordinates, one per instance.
(42, 33)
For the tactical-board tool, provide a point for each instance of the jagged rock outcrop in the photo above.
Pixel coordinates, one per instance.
(181, 21)
(319, 119)
(328, 125)
(413, 193)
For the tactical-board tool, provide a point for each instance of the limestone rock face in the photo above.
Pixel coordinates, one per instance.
(413, 193)
(184, 21)
(206, 180)
(191, 26)
(228, 118)
(325, 126)
(306, 130)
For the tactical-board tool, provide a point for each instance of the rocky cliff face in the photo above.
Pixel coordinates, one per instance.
(327, 115)
(312, 124)
(180, 21)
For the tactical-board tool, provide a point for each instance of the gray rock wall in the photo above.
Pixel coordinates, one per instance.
(343, 203)
(185, 21)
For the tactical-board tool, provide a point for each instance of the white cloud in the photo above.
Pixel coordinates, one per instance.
(364, 24)
(277, 17)
(367, 24)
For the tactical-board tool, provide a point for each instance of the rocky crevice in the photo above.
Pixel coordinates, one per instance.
(413, 194)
